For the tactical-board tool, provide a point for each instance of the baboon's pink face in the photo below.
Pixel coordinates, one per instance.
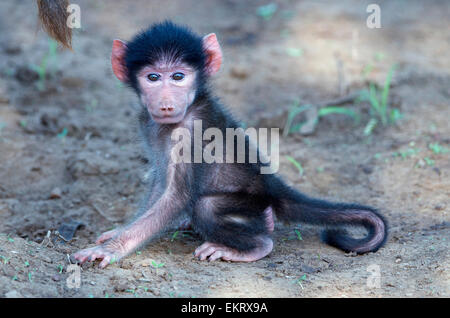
(167, 89)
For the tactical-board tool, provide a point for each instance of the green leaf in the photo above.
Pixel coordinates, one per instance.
(294, 52)
(299, 281)
(267, 11)
(437, 148)
(299, 235)
(23, 123)
(63, 134)
(156, 265)
(429, 161)
(395, 115)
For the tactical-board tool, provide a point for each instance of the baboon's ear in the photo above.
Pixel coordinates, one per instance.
(213, 53)
(118, 60)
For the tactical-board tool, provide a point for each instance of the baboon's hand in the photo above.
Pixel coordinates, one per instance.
(106, 236)
(107, 255)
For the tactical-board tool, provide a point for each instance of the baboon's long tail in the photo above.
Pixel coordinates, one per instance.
(292, 205)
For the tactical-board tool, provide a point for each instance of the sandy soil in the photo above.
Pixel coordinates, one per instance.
(68, 150)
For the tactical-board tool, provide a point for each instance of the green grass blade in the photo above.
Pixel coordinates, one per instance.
(339, 110)
(296, 164)
(294, 111)
(373, 98)
(370, 126)
(385, 93)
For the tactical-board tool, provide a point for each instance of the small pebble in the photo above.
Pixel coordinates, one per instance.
(239, 73)
(56, 193)
(121, 286)
(367, 169)
(46, 259)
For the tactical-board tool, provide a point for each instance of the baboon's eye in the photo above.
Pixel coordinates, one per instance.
(153, 77)
(178, 76)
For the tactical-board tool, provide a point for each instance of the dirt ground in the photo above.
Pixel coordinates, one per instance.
(68, 149)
